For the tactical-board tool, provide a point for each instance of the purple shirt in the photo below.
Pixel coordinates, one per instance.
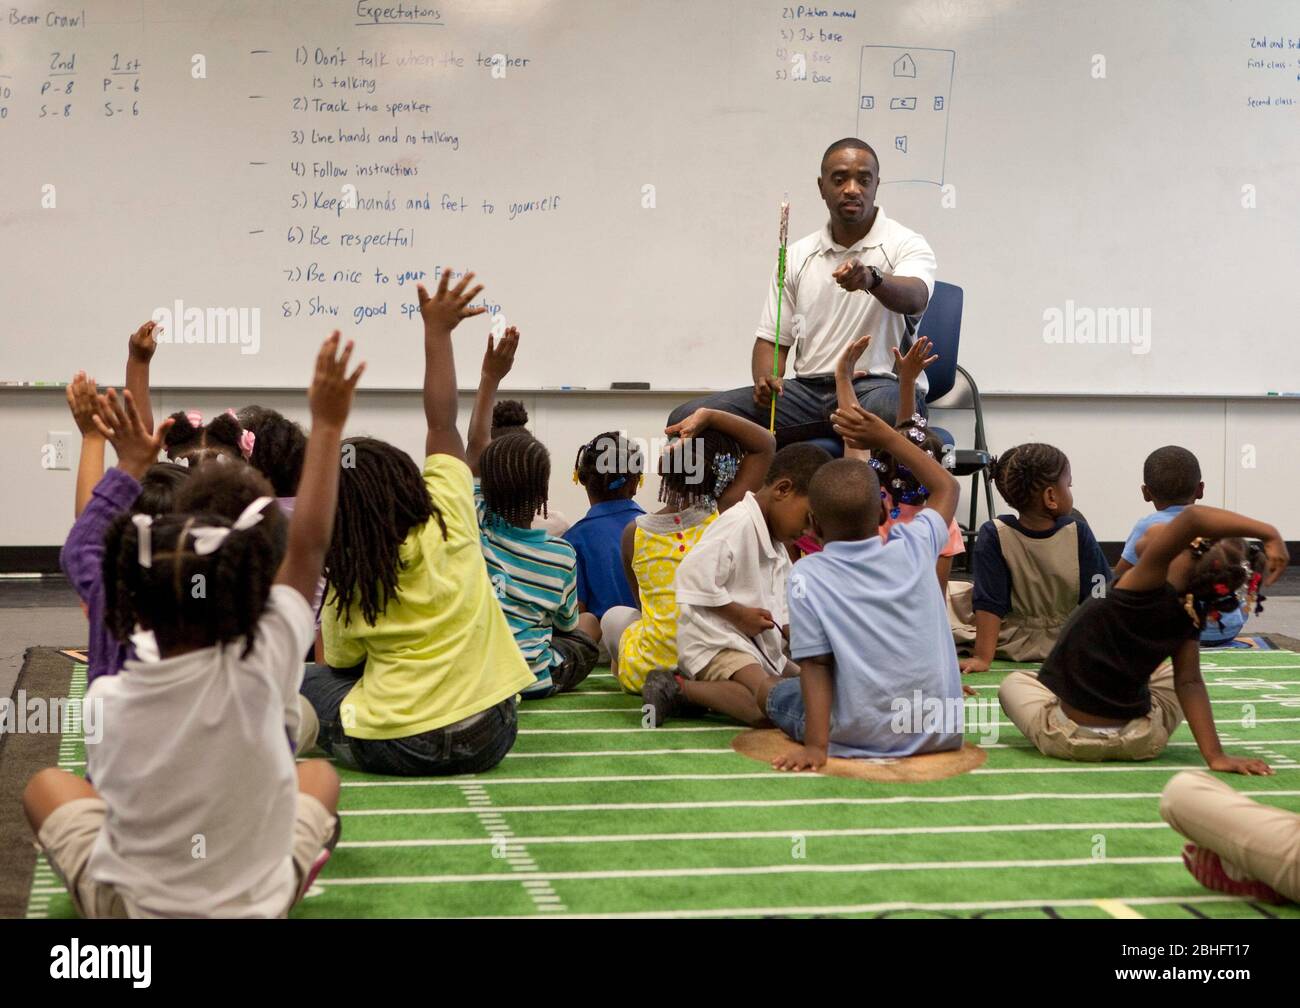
(82, 560)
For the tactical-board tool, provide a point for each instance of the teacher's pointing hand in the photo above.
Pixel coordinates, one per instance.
(852, 276)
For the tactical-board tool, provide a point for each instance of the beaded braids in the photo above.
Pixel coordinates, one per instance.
(698, 470)
(897, 482)
(201, 599)
(609, 467)
(516, 474)
(382, 497)
(1223, 568)
(1022, 473)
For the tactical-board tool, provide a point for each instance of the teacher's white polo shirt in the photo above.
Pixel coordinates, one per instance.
(828, 315)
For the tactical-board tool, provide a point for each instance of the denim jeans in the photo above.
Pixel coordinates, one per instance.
(803, 410)
(473, 745)
(785, 708)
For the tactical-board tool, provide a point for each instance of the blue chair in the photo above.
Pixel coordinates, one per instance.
(950, 387)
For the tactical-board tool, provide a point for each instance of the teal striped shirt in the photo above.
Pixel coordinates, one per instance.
(535, 578)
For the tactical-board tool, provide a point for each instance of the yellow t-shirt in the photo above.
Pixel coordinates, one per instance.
(441, 650)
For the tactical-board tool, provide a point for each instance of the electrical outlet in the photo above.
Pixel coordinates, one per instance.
(57, 450)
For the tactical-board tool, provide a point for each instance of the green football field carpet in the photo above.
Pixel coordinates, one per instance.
(592, 814)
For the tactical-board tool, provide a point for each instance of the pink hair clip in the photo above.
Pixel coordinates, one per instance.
(246, 442)
(194, 417)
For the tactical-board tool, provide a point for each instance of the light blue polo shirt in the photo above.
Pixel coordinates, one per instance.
(877, 608)
(1215, 631)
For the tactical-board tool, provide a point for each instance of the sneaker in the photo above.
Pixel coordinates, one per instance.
(1207, 868)
(321, 859)
(662, 695)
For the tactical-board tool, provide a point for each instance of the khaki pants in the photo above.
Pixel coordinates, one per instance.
(308, 727)
(1036, 711)
(1253, 841)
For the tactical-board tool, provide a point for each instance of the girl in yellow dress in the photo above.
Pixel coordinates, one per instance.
(717, 459)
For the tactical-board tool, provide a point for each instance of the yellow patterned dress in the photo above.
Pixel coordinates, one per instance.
(660, 543)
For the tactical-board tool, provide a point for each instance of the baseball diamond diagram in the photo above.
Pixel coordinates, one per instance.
(903, 98)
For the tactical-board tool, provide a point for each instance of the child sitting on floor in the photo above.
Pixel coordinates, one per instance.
(902, 494)
(138, 483)
(732, 622)
(422, 669)
(609, 468)
(533, 573)
(1109, 690)
(718, 459)
(192, 751)
(1171, 481)
(279, 446)
(1031, 569)
(867, 620)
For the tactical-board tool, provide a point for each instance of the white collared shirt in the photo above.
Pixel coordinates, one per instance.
(828, 315)
(734, 561)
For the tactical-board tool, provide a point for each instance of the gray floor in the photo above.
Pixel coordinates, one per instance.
(47, 613)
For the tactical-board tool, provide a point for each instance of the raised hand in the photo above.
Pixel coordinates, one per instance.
(860, 429)
(144, 342)
(849, 356)
(694, 425)
(330, 395)
(916, 360)
(500, 357)
(137, 449)
(81, 392)
(447, 307)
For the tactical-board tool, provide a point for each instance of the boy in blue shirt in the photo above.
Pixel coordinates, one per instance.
(609, 468)
(1171, 480)
(868, 623)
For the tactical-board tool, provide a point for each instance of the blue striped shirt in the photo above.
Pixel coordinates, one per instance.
(534, 576)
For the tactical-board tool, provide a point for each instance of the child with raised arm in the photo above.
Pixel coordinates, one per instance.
(1171, 482)
(422, 671)
(192, 753)
(534, 573)
(868, 624)
(1127, 665)
(902, 492)
(717, 459)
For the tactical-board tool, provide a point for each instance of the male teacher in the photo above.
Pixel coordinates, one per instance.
(862, 273)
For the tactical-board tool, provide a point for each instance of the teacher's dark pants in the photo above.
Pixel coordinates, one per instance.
(803, 410)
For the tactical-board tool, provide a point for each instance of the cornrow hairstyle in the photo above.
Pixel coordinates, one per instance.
(609, 466)
(1172, 474)
(698, 470)
(184, 439)
(382, 498)
(516, 475)
(1025, 471)
(798, 463)
(1223, 568)
(508, 416)
(226, 490)
(182, 596)
(896, 479)
(279, 448)
(159, 488)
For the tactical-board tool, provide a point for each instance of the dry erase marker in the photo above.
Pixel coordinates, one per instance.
(564, 388)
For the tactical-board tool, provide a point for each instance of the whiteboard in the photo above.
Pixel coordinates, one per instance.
(612, 170)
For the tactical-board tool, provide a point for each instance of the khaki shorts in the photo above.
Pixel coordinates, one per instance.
(68, 836)
(726, 663)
